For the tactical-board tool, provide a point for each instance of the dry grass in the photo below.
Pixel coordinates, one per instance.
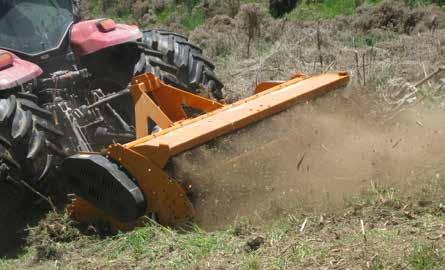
(371, 59)
(398, 232)
(372, 54)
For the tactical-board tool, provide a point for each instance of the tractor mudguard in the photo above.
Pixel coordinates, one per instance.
(91, 36)
(15, 71)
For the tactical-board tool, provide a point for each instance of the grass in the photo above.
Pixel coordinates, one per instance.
(326, 9)
(151, 243)
(300, 252)
(165, 15)
(194, 19)
(122, 11)
(393, 240)
(118, 10)
(431, 94)
(191, 17)
(426, 256)
(369, 40)
(251, 262)
(376, 264)
(279, 229)
(329, 9)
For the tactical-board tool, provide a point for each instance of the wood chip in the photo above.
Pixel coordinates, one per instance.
(300, 162)
(325, 148)
(362, 224)
(303, 225)
(397, 143)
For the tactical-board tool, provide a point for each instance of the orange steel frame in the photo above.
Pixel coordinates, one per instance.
(146, 157)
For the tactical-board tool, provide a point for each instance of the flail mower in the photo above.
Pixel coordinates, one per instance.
(97, 109)
(128, 182)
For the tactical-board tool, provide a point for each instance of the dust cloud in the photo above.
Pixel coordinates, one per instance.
(311, 157)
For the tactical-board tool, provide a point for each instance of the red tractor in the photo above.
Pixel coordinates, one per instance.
(64, 90)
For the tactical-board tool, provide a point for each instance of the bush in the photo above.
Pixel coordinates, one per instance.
(414, 3)
(250, 17)
(278, 8)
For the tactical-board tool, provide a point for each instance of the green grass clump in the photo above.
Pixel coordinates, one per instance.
(327, 9)
(165, 15)
(190, 17)
(194, 19)
(153, 242)
(117, 10)
(251, 262)
(301, 251)
(4, 264)
(377, 264)
(426, 256)
(363, 41)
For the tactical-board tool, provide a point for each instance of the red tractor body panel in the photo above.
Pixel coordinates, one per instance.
(90, 36)
(17, 72)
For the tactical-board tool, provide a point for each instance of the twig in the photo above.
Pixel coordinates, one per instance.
(427, 78)
(320, 55)
(357, 64)
(40, 195)
(329, 66)
(300, 162)
(425, 73)
(303, 225)
(437, 237)
(289, 246)
(325, 148)
(279, 50)
(414, 88)
(363, 229)
(393, 115)
(364, 69)
(397, 143)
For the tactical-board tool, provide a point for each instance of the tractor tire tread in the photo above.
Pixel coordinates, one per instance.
(182, 63)
(24, 155)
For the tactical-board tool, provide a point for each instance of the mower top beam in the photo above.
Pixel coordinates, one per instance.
(189, 133)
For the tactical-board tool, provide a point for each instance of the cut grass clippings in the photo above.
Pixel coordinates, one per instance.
(398, 232)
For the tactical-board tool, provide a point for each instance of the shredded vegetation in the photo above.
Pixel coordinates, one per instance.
(381, 229)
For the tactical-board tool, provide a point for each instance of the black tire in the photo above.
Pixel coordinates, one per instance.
(28, 156)
(178, 62)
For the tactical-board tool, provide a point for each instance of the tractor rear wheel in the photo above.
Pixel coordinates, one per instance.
(180, 63)
(28, 154)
